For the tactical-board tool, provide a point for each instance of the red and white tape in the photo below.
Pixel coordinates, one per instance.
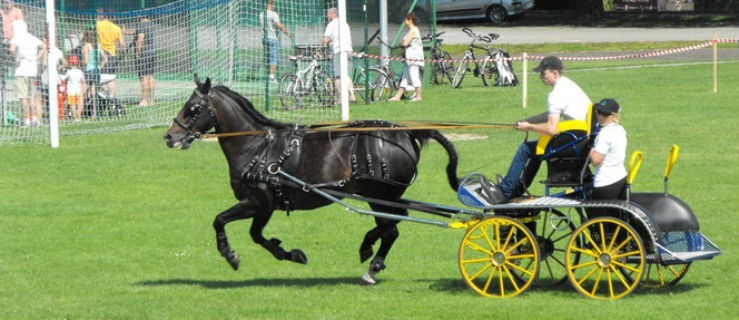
(652, 54)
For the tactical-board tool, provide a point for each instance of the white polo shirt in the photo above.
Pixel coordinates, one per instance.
(333, 32)
(610, 142)
(568, 99)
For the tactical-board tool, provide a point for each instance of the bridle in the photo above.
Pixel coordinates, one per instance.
(202, 104)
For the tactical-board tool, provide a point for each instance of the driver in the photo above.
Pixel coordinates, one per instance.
(566, 101)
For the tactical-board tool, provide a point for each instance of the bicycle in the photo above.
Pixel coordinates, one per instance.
(442, 66)
(371, 83)
(310, 84)
(488, 70)
(393, 73)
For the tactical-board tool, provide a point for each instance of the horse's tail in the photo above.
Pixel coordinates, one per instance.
(451, 168)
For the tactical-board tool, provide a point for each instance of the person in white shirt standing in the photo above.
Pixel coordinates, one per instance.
(331, 35)
(27, 49)
(271, 24)
(75, 86)
(608, 153)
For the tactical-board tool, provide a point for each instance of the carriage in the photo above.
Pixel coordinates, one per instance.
(606, 249)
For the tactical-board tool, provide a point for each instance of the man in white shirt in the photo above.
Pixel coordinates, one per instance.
(27, 49)
(341, 41)
(566, 101)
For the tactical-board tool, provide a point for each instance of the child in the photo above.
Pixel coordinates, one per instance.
(75, 84)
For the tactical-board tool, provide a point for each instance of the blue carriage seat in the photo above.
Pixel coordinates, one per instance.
(566, 153)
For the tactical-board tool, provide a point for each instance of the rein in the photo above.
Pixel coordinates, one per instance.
(323, 127)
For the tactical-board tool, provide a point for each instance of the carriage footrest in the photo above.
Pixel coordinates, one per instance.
(684, 247)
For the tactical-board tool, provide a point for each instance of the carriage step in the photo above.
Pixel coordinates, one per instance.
(686, 247)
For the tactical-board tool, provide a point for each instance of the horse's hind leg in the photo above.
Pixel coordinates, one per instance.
(237, 212)
(387, 232)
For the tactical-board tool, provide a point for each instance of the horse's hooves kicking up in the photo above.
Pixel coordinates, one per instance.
(365, 254)
(298, 256)
(233, 259)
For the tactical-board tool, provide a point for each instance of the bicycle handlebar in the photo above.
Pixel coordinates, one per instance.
(476, 36)
(430, 36)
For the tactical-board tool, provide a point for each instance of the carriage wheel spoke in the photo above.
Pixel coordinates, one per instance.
(478, 273)
(597, 281)
(477, 247)
(587, 275)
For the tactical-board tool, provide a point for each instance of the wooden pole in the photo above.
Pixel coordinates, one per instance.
(525, 84)
(715, 63)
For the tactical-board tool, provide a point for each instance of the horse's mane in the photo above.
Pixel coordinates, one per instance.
(249, 108)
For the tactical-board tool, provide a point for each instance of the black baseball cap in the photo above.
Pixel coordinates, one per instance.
(550, 62)
(607, 107)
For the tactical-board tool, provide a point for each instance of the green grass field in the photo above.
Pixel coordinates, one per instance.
(117, 226)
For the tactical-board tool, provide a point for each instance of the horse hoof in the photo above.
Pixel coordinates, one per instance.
(234, 260)
(377, 265)
(368, 278)
(298, 256)
(365, 254)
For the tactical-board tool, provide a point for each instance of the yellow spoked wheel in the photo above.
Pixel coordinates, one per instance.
(611, 258)
(499, 257)
(659, 275)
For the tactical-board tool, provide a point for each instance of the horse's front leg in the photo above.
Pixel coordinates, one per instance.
(238, 212)
(273, 245)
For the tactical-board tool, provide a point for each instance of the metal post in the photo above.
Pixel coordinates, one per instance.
(344, 95)
(51, 65)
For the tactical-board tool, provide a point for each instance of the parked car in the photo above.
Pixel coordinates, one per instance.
(495, 11)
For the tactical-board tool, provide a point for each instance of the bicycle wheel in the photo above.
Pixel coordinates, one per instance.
(291, 95)
(489, 71)
(448, 66)
(323, 91)
(461, 70)
(380, 86)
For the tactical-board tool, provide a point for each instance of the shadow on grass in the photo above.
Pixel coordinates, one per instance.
(226, 284)
(458, 285)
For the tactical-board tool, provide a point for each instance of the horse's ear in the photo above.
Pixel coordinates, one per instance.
(197, 80)
(206, 85)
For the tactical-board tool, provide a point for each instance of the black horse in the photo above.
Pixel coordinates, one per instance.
(377, 164)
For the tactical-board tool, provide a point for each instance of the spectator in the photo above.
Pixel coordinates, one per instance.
(413, 51)
(110, 38)
(50, 54)
(566, 101)
(93, 60)
(75, 87)
(27, 50)
(145, 60)
(10, 13)
(334, 35)
(271, 25)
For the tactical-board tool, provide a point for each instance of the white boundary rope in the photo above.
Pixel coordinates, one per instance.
(652, 54)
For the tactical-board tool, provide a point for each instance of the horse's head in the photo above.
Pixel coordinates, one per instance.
(196, 117)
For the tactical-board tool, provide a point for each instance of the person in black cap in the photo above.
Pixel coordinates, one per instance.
(566, 101)
(608, 153)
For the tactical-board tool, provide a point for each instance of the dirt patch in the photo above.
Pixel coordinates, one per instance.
(465, 136)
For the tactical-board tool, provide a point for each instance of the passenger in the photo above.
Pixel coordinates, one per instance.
(566, 101)
(608, 153)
